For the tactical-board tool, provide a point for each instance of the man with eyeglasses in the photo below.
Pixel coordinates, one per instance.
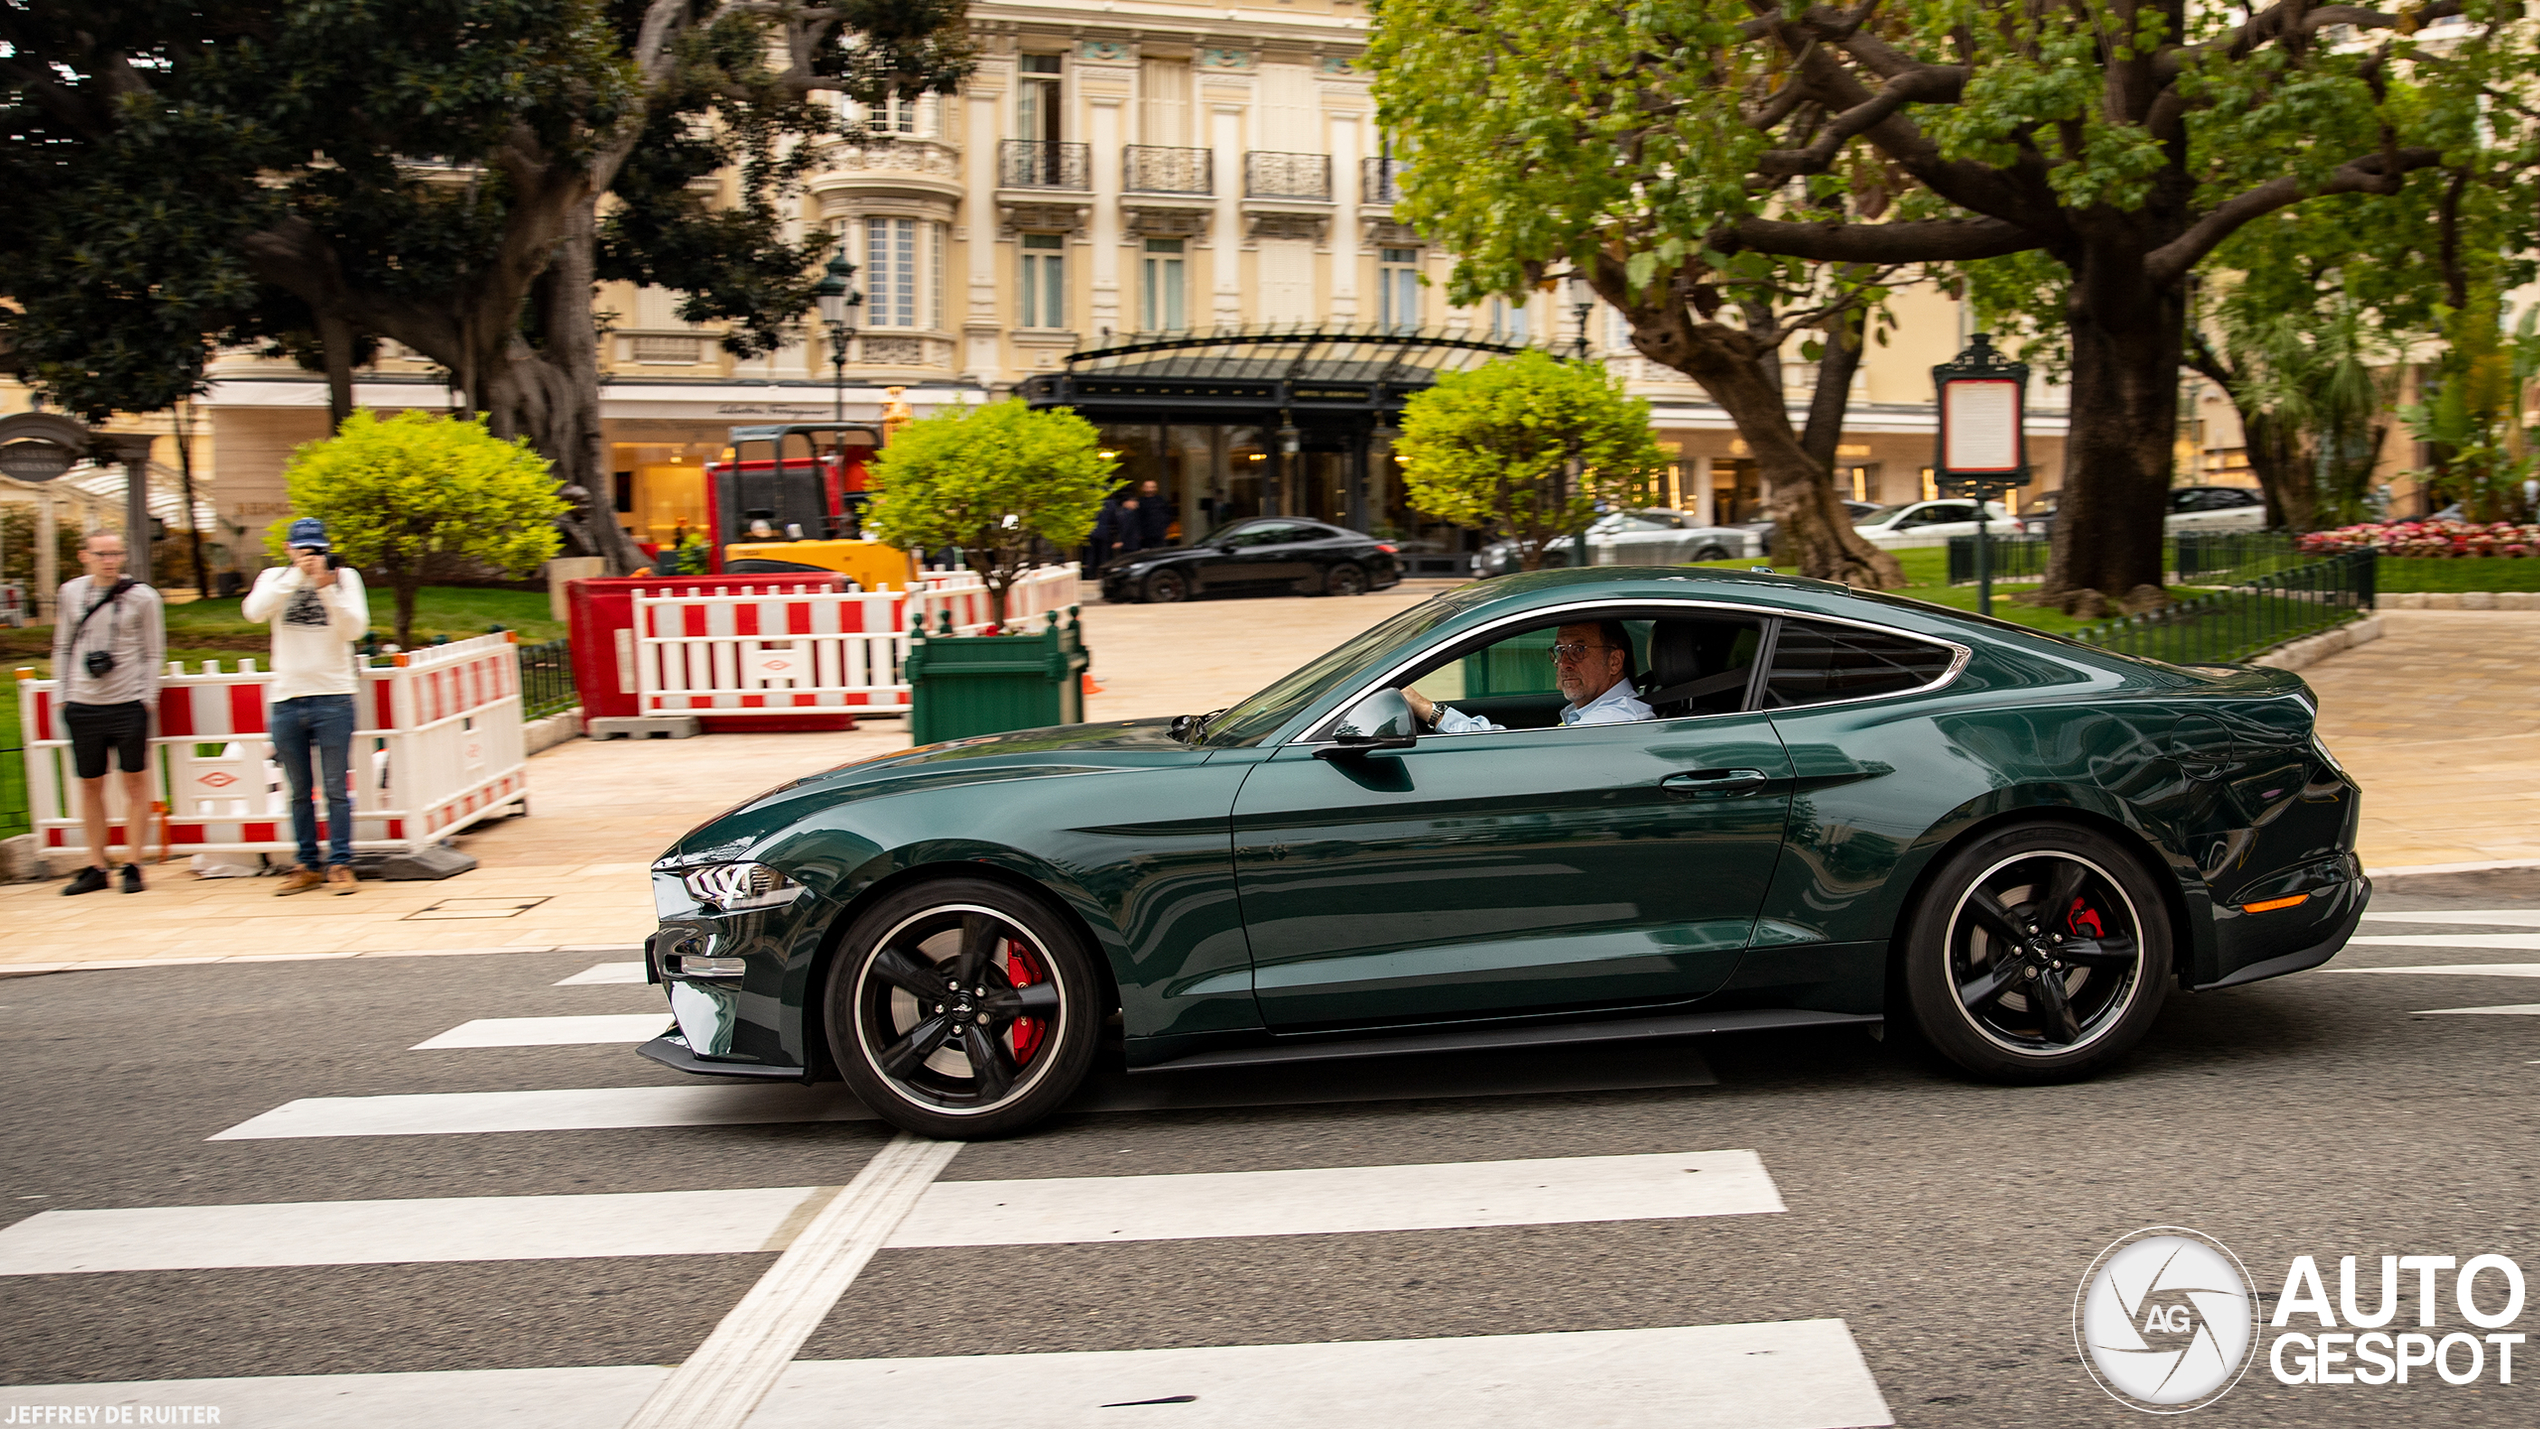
(1592, 663)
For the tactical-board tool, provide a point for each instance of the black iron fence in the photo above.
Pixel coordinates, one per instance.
(2246, 617)
(1381, 180)
(1272, 175)
(546, 679)
(1151, 169)
(1043, 164)
(2197, 557)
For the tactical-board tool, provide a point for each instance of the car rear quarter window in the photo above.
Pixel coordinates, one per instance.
(1817, 664)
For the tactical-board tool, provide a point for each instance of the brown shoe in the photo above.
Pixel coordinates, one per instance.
(299, 880)
(340, 879)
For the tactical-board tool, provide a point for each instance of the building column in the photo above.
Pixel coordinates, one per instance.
(1358, 479)
(1226, 140)
(980, 361)
(1103, 141)
(1342, 240)
(1698, 470)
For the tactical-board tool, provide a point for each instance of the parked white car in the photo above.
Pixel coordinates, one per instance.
(2216, 508)
(1650, 536)
(1932, 523)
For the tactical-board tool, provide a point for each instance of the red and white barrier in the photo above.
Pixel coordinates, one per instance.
(807, 651)
(436, 747)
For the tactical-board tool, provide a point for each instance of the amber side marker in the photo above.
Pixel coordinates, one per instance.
(2273, 904)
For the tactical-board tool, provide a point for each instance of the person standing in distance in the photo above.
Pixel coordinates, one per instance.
(318, 609)
(110, 640)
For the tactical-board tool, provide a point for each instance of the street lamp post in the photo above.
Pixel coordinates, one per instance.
(1983, 448)
(838, 300)
(1582, 305)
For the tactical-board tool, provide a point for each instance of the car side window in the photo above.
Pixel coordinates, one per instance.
(1817, 664)
(1262, 533)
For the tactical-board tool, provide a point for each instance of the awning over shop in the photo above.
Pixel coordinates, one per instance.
(1254, 374)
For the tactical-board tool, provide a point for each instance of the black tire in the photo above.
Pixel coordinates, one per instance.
(1344, 579)
(1711, 553)
(2012, 993)
(1168, 588)
(962, 1009)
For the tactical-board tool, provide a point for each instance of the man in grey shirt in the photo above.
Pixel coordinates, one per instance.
(110, 640)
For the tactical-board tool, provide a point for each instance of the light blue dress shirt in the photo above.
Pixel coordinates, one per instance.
(1618, 705)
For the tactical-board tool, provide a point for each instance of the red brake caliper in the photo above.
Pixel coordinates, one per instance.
(1022, 970)
(2085, 919)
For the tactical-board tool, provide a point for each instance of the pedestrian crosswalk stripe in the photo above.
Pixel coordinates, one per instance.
(1793, 1374)
(1319, 1201)
(549, 1031)
(2459, 969)
(580, 1109)
(2519, 1009)
(2489, 917)
(600, 973)
(1341, 1199)
(2520, 942)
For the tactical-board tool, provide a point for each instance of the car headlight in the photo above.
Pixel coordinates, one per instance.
(740, 887)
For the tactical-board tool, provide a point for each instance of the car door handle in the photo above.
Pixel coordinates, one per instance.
(1715, 783)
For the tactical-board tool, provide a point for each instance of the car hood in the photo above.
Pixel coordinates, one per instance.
(1050, 752)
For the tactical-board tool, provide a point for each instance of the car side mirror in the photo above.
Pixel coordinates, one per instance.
(1225, 548)
(1382, 721)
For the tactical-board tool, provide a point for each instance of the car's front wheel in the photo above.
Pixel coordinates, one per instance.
(1345, 580)
(1712, 553)
(962, 1009)
(2040, 953)
(1168, 588)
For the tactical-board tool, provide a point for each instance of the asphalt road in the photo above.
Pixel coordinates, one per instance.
(1945, 1225)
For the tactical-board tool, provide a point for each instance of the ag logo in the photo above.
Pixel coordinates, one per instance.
(2165, 1320)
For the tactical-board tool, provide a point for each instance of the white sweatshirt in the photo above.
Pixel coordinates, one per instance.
(314, 629)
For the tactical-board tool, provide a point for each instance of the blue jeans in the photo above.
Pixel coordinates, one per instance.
(326, 722)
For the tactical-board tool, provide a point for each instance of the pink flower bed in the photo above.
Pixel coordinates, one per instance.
(2429, 538)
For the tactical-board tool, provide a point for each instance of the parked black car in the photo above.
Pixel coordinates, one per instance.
(1269, 555)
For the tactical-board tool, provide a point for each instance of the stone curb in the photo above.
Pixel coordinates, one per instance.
(2315, 648)
(540, 735)
(2460, 600)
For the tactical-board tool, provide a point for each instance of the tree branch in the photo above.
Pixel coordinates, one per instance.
(2380, 173)
(1938, 240)
(2290, 19)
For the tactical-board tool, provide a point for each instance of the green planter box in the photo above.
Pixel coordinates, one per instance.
(961, 685)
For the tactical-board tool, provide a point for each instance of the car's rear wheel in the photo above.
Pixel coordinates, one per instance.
(1712, 553)
(1168, 588)
(961, 1008)
(1344, 580)
(2041, 953)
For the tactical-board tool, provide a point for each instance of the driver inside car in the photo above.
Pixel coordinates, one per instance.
(1592, 663)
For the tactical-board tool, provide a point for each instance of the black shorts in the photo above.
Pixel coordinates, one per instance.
(124, 728)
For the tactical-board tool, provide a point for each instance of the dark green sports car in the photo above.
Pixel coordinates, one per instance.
(1795, 805)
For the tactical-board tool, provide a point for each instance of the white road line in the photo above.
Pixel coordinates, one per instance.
(1341, 1199)
(1800, 1374)
(1797, 1374)
(599, 973)
(2486, 917)
(594, 1398)
(591, 1109)
(549, 1031)
(2519, 942)
(454, 1228)
(719, 1385)
(1062, 1210)
(2520, 1009)
(2459, 969)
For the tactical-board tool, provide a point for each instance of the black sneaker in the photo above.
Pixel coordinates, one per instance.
(87, 880)
(131, 878)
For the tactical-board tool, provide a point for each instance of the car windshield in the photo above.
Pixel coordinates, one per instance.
(1884, 514)
(1257, 718)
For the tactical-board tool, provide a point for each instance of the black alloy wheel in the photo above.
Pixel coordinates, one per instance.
(1168, 588)
(961, 1008)
(2040, 953)
(1344, 579)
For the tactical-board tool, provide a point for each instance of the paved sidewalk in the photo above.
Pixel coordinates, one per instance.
(2434, 719)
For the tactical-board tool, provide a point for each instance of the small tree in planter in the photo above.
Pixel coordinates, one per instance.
(993, 481)
(1525, 448)
(402, 494)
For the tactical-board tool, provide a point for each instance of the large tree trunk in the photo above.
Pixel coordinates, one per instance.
(557, 392)
(2285, 470)
(2127, 345)
(335, 347)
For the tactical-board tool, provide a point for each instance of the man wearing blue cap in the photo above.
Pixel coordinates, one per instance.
(317, 609)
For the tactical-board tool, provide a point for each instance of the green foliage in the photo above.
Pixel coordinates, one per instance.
(996, 481)
(1526, 447)
(402, 493)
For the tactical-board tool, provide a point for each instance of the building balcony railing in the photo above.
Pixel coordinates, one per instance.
(1381, 180)
(1270, 175)
(1148, 169)
(1042, 164)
